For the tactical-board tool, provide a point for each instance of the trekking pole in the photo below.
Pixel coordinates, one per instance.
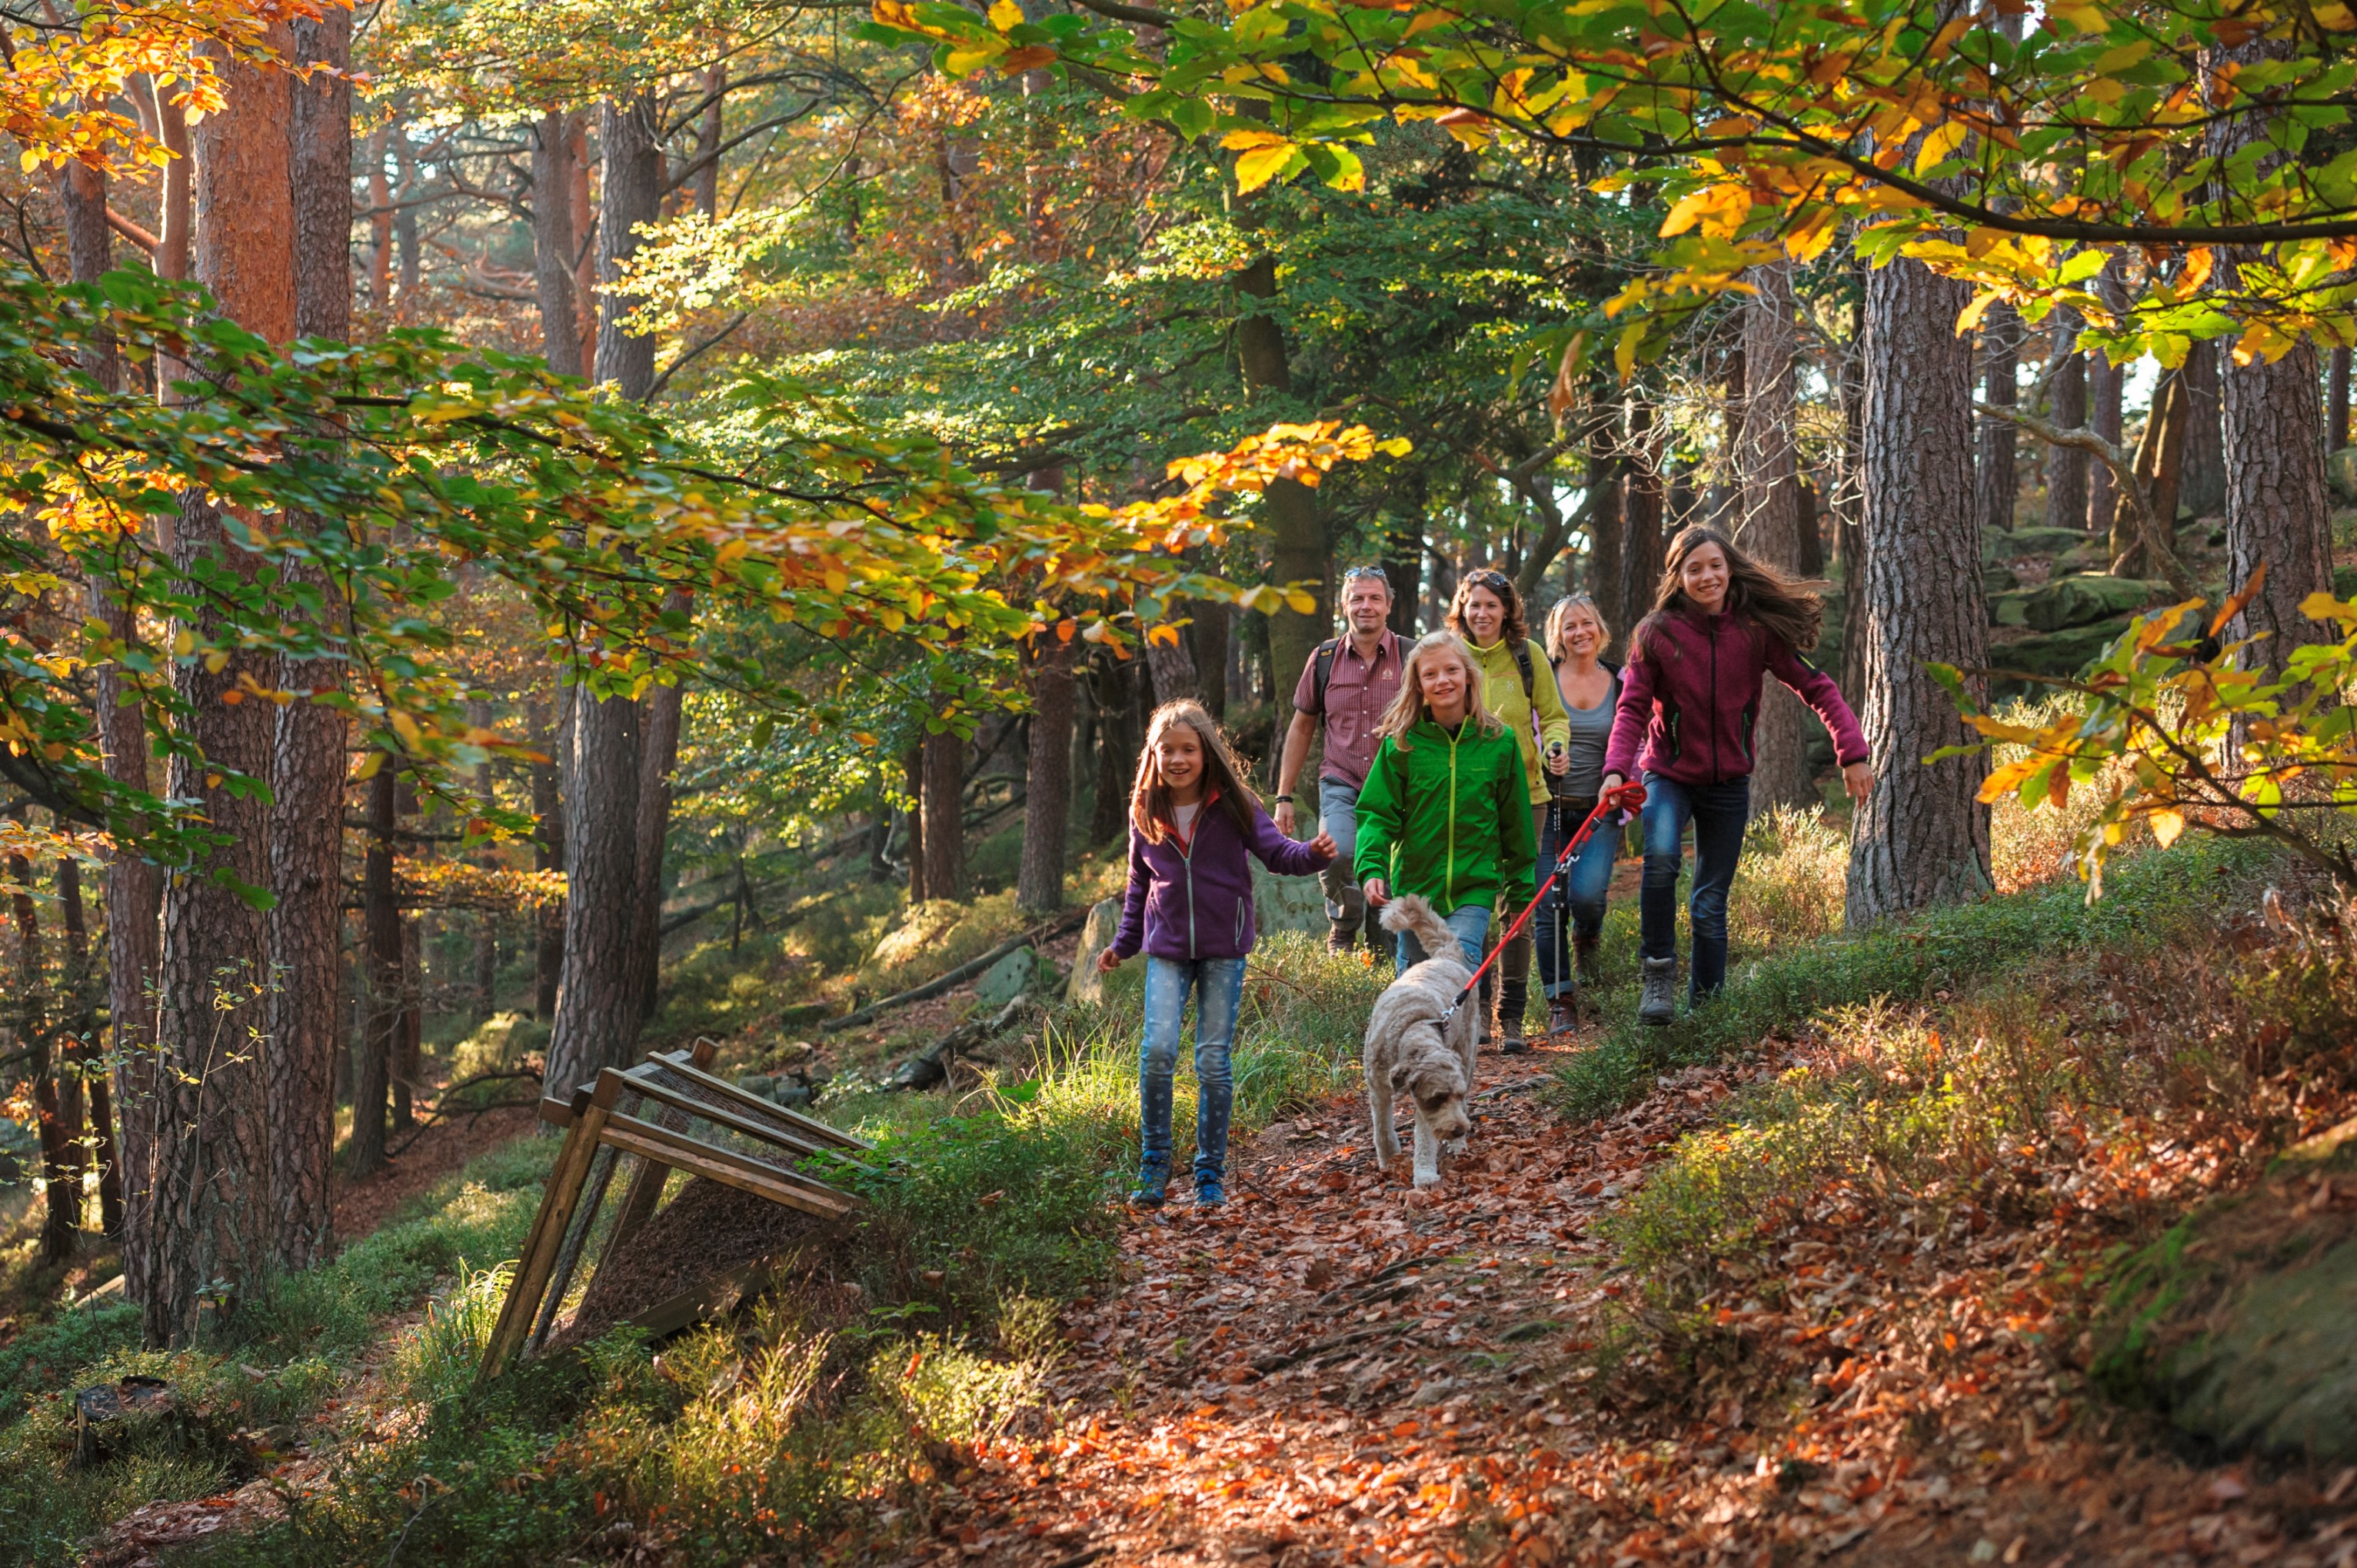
(1629, 797)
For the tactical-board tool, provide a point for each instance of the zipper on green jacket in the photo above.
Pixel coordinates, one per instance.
(1449, 877)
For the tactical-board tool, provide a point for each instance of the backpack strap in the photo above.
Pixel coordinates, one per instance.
(1522, 662)
(1321, 668)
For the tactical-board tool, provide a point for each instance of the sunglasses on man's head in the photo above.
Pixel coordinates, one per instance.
(1377, 572)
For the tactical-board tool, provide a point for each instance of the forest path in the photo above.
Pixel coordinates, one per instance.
(1337, 1370)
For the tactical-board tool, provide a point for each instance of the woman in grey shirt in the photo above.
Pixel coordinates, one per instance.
(1571, 921)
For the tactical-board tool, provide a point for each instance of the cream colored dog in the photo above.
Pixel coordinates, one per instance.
(1412, 1050)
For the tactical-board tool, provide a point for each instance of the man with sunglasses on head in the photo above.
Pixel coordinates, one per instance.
(1348, 683)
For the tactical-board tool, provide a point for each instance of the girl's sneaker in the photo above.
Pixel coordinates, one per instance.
(1210, 1192)
(1153, 1185)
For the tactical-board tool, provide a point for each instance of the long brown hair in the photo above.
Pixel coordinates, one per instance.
(1149, 799)
(1409, 707)
(1757, 594)
(1513, 629)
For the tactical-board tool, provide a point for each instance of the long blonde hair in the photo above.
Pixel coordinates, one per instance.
(1149, 798)
(1409, 707)
(1559, 620)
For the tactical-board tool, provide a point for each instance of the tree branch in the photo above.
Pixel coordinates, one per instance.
(2122, 462)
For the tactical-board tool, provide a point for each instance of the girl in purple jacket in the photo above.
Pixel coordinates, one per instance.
(1690, 695)
(1190, 907)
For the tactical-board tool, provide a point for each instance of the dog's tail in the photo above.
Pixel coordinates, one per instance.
(1411, 912)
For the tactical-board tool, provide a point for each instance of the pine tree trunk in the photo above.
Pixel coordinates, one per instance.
(487, 928)
(598, 1005)
(1921, 838)
(1170, 664)
(944, 809)
(1995, 476)
(2104, 389)
(2276, 507)
(1849, 506)
(307, 810)
(1116, 748)
(2336, 402)
(2204, 490)
(555, 246)
(1767, 458)
(2066, 466)
(912, 766)
(1402, 556)
(211, 1200)
(1048, 778)
(1644, 547)
(84, 1054)
(380, 980)
(1296, 534)
(631, 196)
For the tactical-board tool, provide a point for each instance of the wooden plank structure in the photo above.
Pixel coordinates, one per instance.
(754, 1145)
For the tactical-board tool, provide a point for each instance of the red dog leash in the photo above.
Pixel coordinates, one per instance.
(1629, 797)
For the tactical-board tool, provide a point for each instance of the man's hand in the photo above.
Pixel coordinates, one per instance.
(1284, 818)
(1858, 779)
(1377, 894)
(1323, 845)
(1107, 961)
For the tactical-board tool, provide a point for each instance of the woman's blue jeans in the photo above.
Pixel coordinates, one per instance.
(1580, 894)
(1468, 922)
(1218, 985)
(1719, 814)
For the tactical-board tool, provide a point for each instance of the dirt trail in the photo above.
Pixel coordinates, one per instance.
(1335, 1371)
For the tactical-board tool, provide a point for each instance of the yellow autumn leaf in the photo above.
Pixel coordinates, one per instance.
(2166, 826)
(1243, 141)
(1260, 165)
(1938, 142)
(962, 61)
(405, 728)
(1005, 14)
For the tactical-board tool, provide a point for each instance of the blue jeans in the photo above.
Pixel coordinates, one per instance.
(1469, 923)
(1346, 906)
(1218, 984)
(1579, 894)
(1719, 814)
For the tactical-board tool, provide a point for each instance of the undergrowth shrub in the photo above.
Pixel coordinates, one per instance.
(1789, 883)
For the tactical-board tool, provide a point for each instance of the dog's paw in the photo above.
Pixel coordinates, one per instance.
(1428, 1181)
(1454, 1147)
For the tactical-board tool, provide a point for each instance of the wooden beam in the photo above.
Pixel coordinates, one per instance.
(566, 1180)
(730, 1170)
(721, 1115)
(809, 1125)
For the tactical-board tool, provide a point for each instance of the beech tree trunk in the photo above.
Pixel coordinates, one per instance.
(27, 1016)
(2204, 491)
(2103, 387)
(1994, 474)
(1768, 460)
(547, 854)
(83, 1053)
(2336, 402)
(134, 887)
(1296, 534)
(2066, 466)
(306, 775)
(554, 245)
(658, 758)
(944, 811)
(1921, 838)
(1048, 778)
(379, 980)
(212, 1209)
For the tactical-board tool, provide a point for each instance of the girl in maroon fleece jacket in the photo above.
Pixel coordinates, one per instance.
(1721, 622)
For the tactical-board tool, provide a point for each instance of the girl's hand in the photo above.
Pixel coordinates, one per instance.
(1858, 779)
(1323, 845)
(1107, 961)
(1610, 782)
(1377, 894)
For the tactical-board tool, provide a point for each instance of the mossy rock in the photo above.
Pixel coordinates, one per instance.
(2085, 598)
(2240, 1323)
(1997, 578)
(2341, 473)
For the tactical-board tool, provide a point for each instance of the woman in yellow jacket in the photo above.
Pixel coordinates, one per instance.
(1518, 688)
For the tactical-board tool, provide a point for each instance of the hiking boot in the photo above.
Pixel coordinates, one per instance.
(1586, 948)
(1210, 1192)
(1340, 938)
(1660, 1004)
(1513, 1002)
(1153, 1189)
(1563, 1013)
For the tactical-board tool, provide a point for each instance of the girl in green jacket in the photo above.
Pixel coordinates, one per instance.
(1445, 812)
(1518, 686)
